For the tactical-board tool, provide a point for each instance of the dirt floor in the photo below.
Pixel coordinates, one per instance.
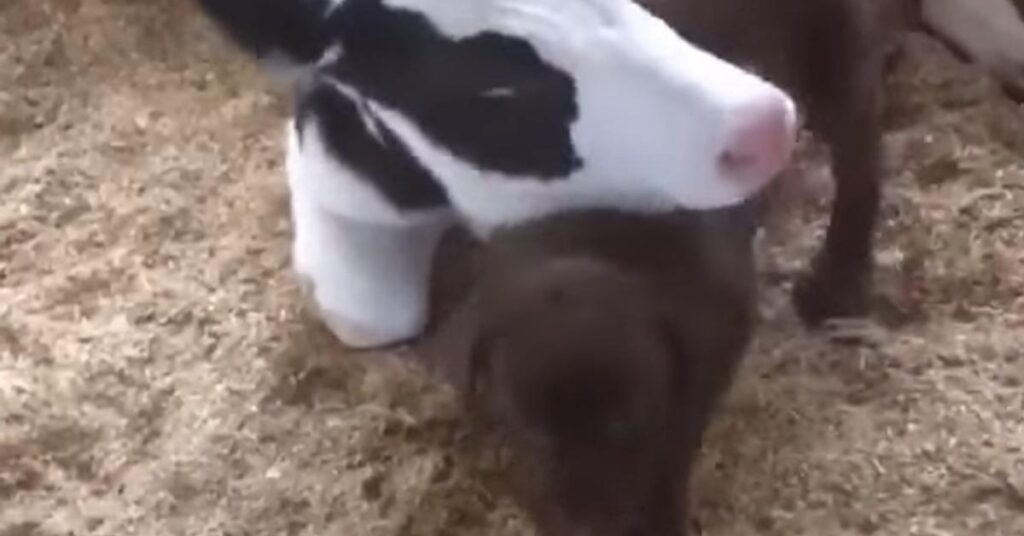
(160, 376)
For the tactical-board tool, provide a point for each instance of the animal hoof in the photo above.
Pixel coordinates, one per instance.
(358, 336)
(827, 295)
(366, 333)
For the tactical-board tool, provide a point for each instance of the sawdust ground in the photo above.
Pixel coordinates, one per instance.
(158, 374)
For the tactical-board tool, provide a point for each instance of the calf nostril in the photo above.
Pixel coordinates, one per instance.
(761, 143)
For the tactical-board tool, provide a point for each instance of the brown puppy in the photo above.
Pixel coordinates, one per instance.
(599, 342)
(830, 54)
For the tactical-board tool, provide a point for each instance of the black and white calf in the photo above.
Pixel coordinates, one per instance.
(412, 114)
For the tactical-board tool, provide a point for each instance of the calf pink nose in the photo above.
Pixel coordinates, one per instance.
(762, 142)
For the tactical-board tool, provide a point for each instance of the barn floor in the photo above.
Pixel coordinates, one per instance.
(159, 376)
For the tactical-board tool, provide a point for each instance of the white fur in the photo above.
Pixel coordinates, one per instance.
(488, 199)
(654, 116)
(366, 266)
(991, 32)
(652, 107)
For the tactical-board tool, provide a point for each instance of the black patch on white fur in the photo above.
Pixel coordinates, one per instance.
(488, 99)
(380, 157)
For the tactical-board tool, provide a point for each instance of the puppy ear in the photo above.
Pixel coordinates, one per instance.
(460, 351)
(478, 368)
(679, 352)
(704, 356)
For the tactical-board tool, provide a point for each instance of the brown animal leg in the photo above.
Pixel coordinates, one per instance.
(848, 119)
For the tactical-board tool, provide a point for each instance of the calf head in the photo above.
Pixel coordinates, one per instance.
(598, 96)
(603, 393)
(563, 89)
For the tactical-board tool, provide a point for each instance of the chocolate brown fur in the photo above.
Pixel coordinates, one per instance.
(599, 342)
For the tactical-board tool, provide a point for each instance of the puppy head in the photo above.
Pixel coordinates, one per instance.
(577, 363)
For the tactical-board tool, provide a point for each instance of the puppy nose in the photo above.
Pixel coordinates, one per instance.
(761, 143)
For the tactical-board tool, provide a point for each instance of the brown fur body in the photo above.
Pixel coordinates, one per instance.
(599, 342)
